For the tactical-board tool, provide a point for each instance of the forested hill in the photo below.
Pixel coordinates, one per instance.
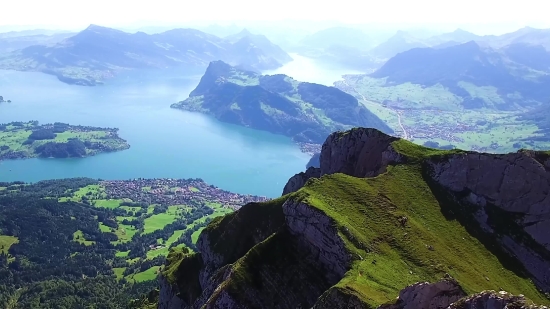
(84, 243)
(306, 112)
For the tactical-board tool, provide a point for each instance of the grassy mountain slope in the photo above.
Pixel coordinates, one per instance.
(278, 104)
(386, 232)
(97, 53)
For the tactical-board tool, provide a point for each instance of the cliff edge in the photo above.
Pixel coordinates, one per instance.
(380, 218)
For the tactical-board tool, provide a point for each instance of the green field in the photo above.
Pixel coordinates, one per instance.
(108, 203)
(164, 251)
(6, 242)
(79, 237)
(16, 137)
(159, 221)
(149, 274)
(434, 114)
(119, 272)
(122, 253)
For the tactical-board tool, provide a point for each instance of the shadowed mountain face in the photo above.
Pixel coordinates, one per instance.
(276, 103)
(98, 52)
(245, 38)
(520, 68)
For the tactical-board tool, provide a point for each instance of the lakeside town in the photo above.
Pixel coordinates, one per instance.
(176, 192)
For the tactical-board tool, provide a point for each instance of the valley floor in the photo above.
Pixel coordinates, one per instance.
(431, 117)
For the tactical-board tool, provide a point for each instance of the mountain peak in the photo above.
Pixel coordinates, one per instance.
(401, 33)
(461, 31)
(245, 32)
(95, 27)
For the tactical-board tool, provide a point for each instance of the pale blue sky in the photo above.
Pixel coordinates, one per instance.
(79, 13)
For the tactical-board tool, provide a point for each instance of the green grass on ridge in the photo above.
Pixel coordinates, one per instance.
(394, 256)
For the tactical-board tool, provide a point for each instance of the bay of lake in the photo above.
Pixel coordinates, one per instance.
(165, 142)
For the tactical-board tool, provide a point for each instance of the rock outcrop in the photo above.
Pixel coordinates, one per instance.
(511, 198)
(358, 152)
(428, 295)
(169, 295)
(318, 245)
(494, 300)
(299, 180)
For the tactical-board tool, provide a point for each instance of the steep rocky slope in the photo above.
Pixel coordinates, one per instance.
(381, 218)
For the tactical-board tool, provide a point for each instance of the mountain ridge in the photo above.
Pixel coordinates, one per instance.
(98, 53)
(276, 103)
(471, 63)
(360, 241)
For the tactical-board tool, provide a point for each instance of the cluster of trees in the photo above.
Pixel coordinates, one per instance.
(47, 268)
(42, 134)
(72, 148)
(432, 144)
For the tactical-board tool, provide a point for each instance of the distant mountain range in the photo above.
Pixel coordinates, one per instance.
(97, 53)
(354, 48)
(400, 42)
(277, 103)
(519, 73)
(12, 41)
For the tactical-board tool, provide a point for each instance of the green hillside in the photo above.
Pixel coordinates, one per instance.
(277, 103)
(86, 242)
(393, 230)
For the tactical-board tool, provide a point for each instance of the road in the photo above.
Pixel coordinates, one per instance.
(405, 135)
(400, 124)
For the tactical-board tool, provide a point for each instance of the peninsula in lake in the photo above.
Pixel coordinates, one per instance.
(279, 104)
(98, 53)
(22, 140)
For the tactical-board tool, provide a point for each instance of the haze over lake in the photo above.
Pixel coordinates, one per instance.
(165, 143)
(308, 70)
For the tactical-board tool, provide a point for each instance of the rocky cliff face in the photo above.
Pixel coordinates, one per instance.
(304, 250)
(359, 153)
(428, 295)
(494, 300)
(299, 180)
(510, 195)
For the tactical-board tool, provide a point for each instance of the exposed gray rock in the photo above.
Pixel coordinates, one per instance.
(299, 180)
(359, 152)
(318, 234)
(314, 160)
(537, 266)
(339, 298)
(168, 296)
(428, 295)
(516, 183)
(519, 185)
(212, 260)
(494, 300)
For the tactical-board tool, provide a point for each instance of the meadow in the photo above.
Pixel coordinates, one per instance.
(435, 115)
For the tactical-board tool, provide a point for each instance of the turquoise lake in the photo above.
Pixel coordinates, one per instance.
(165, 143)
